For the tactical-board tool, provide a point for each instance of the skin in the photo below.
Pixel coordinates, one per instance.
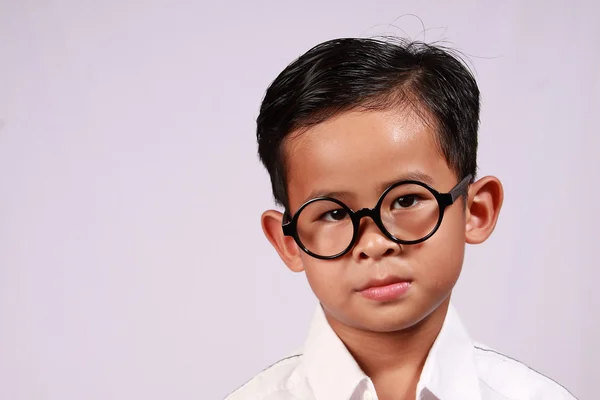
(358, 153)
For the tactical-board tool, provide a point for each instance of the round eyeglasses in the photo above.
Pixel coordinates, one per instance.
(408, 212)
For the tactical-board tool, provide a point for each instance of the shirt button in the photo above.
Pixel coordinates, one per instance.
(367, 396)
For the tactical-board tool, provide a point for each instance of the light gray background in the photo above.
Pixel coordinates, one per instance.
(132, 263)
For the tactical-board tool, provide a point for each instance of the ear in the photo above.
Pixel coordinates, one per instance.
(483, 207)
(284, 245)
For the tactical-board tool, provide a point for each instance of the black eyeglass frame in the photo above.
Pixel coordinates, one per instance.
(444, 200)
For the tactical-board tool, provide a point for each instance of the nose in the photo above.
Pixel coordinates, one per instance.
(372, 243)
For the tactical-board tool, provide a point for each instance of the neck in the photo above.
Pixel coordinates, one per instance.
(396, 357)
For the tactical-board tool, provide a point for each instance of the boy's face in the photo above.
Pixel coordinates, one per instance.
(357, 154)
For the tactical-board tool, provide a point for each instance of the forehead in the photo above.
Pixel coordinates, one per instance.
(355, 152)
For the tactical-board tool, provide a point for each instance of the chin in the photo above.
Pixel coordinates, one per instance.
(391, 323)
(395, 316)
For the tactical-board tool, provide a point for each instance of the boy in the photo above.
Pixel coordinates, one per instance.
(371, 149)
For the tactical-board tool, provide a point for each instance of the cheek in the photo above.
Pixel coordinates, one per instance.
(443, 253)
(327, 279)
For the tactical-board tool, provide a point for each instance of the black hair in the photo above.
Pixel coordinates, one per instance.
(371, 74)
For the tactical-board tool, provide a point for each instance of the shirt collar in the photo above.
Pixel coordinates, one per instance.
(449, 371)
(331, 371)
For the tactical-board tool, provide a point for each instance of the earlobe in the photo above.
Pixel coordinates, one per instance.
(483, 207)
(284, 245)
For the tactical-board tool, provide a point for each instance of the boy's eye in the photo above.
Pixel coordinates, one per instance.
(406, 201)
(334, 215)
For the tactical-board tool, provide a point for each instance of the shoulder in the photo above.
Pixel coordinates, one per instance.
(273, 383)
(513, 379)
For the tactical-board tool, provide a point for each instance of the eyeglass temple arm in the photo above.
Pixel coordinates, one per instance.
(286, 224)
(458, 189)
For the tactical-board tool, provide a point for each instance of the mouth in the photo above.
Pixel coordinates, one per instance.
(387, 289)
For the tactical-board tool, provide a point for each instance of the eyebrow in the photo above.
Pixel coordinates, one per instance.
(409, 176)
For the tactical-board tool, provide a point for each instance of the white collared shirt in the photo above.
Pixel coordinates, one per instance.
(456, 369)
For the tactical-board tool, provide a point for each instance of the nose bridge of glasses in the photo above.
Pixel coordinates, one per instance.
(372, 213)
(364, 212)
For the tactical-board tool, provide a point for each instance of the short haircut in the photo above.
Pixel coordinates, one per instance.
(371, 74)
